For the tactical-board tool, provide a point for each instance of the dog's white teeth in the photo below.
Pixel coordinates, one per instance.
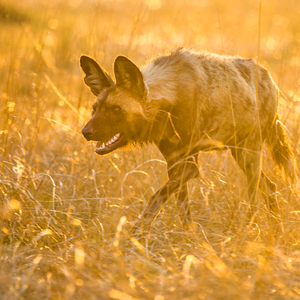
(113, 139)
(103, 145)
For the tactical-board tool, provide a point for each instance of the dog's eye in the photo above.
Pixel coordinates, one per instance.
(116, 109)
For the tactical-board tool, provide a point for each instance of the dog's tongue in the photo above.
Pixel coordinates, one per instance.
(98, 144)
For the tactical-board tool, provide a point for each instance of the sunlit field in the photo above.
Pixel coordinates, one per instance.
(66, 213)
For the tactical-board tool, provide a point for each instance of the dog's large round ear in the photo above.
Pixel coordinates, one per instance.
(129, 76)
(96, 78)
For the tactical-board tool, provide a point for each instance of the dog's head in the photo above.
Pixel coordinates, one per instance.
(118, 114)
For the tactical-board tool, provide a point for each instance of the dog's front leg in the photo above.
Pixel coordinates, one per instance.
(184, 205)
(186, 172)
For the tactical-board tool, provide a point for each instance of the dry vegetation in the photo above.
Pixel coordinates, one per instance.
(65, 212)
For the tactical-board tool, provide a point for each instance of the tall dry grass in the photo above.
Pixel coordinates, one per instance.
(65, 212)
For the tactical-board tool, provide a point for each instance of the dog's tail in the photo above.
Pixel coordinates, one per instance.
(282, 152)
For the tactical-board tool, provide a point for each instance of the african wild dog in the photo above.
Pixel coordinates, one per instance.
(187, 102)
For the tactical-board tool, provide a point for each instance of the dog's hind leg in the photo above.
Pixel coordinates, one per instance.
(249, 160)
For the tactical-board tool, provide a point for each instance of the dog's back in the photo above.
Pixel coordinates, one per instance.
(213, 94)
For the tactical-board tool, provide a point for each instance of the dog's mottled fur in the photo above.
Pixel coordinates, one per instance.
(187, 102)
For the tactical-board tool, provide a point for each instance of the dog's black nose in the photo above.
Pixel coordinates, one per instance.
(88, 132)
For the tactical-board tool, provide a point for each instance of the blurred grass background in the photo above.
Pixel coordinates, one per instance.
(63, 231)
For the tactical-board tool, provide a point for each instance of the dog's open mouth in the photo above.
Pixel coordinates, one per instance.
(115, 142)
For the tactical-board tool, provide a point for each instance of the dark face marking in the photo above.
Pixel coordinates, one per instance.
(106, 126)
